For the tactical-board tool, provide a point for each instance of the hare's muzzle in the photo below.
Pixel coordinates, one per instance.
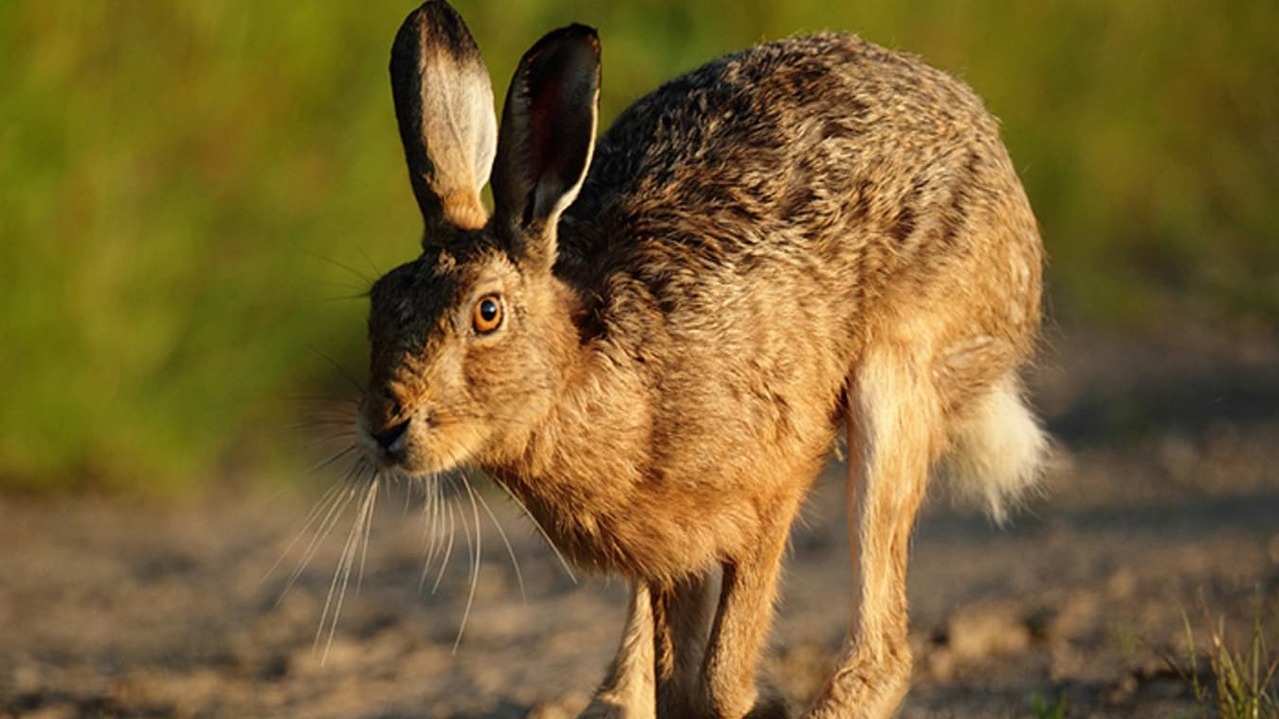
(386, 444)
(391, 441)
(391, 437)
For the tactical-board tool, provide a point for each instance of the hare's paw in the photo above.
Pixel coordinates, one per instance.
(605, 708)
(770, 705)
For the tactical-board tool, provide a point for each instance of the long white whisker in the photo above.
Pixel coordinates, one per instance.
(437, 516)
(367, 519)
(448, 548)
(342, 575)
(510, 551)
(326, 629)
(335, 457)
(310, 519)
(475, 563)
(337, 589)
(431, 518)
(337, 508)
(540, 530)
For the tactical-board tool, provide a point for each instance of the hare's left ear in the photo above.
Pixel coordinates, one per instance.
(547, 137)
(444, 106)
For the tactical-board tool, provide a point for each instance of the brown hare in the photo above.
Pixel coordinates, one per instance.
(654, 341)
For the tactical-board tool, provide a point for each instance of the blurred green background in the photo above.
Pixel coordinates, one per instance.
(194, 195)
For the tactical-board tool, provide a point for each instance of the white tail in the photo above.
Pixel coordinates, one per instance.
(996, 451)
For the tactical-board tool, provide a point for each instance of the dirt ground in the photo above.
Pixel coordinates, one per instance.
(1163, 499)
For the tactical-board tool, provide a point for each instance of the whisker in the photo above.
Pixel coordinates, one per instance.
(540, 530)
(337, 591)
(322, 423)
(510, 551)
(368, 528)
(448, 548)
(327, 403)
(342, 575)
(327, 517)
(333, 458)
(337, 508)
(372, 266)
(343, 266)
(431, 529)
(408, 502)
(346, 374)
(325, 446)
(310, 519)
(442, 509)
(475, 563)
(350, 291)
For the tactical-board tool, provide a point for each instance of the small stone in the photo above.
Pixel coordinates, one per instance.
(1122, 583)
(1076, 618)
(562, 707)
(987, 629)
(940, 663)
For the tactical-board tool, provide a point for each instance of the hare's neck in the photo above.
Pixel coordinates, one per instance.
(597, 433)
(590, 456)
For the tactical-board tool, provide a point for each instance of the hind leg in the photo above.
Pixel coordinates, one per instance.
(893, 432)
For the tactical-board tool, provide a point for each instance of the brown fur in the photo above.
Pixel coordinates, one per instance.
(811, 232)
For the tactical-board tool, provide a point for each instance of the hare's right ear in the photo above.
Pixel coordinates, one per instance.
(547, 137)
(444, 106)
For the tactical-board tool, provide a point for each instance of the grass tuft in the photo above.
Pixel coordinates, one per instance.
(1042, 708)
(1231, 682)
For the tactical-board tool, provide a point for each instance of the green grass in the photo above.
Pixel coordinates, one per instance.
(1235, 681)
(1042, 708)
(192, 192)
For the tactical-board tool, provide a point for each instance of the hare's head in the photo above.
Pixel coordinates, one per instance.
(464, 351)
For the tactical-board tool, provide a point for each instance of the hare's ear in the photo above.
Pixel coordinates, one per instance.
(548, 134)
(444, 105)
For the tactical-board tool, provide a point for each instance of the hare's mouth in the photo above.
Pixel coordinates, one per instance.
(412, 446)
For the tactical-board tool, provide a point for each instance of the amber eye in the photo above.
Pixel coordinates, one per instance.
(487, 316)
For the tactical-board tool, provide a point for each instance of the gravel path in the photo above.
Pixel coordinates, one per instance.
(1163, 499)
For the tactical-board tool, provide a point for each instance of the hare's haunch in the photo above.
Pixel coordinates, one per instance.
(653, 341)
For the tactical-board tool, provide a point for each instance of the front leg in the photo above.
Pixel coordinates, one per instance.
(741, 627)
(682, 615)
(628, 690)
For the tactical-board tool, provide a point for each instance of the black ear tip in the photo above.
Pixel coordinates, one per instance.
(433, 24)
(583, 31)
(575, 36)
(435, 8)
(589, 35)
(437, 19)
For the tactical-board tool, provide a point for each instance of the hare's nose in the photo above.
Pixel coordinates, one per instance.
(391, 439)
